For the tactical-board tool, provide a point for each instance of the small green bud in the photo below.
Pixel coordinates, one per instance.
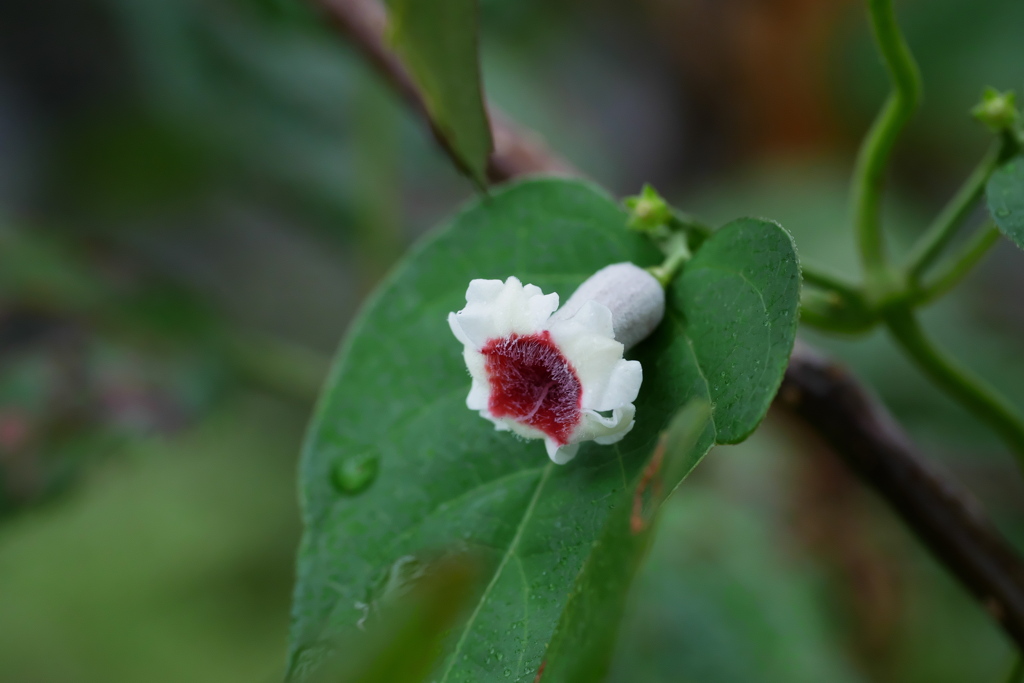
(997, 110)
(647, 210)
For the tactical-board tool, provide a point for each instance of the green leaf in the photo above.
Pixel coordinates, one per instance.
(439, 41)
(1006, 199)
(445, 479)
(737, 299)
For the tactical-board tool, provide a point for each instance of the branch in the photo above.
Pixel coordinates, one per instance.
(516, 151)
(943, 515)
(829, 400)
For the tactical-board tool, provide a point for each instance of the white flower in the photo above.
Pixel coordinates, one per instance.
(558, 376)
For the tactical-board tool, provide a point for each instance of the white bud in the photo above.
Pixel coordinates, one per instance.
(634, 296)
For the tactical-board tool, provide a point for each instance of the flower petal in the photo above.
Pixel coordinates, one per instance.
(456, 325)
(561, 454)
(496, 309)
(485, 292)
(595, 356)
(479, 393)
(595, 317)
(476, 363)
(499, 424)
(620, 388)
(615, 438)
(523, 430)
(605, 430)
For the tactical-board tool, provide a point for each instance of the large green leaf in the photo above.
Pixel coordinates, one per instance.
(394, 411)
(1006, 199)
(439, 42)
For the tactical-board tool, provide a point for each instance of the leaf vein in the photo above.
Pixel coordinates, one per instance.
(404, 536)
(513, 544)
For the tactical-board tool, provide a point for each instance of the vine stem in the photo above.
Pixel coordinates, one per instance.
(938, 236)
(959, 265)
(958, 382)
(828, 302)
(823, 279)
(881, 283)
(869, 172)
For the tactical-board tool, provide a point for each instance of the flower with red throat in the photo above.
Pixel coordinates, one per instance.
(558, 374)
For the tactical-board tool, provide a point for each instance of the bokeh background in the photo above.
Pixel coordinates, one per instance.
(195, 196)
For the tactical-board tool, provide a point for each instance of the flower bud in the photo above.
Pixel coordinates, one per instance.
(647, 210)
(997, 110)
(635, 298)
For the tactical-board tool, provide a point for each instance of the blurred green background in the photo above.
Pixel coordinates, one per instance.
(195, 195)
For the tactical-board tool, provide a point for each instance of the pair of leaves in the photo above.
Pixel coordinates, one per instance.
(556, 556)
(1005, 193)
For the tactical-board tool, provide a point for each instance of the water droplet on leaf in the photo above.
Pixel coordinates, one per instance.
(354, 475)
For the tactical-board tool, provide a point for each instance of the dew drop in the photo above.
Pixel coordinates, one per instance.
(508, 672)
(354, 475)
(1003, 212)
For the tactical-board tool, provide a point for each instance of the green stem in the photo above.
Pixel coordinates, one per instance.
(874, 153)
(832, 304)
(942, 230)
(830, 311)
(677, 252)
(822, 279)
(958, 382)
(957, 266)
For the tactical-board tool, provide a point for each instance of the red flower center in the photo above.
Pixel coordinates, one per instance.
(533, 383)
